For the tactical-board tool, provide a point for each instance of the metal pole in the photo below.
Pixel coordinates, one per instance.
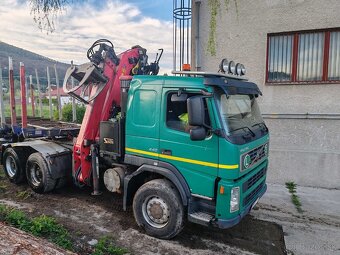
(58, 92)
(197, 36)
(95, 170)
(23, 96)
(39, 93)
(12, 92)
(32, 96)
(74, 110)
(27, 87)
(2, 109)
(49, 92)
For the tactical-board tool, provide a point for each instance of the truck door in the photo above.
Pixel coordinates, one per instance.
(142, 123)
(196, 160)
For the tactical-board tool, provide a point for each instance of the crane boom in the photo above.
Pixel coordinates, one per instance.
(100, 78)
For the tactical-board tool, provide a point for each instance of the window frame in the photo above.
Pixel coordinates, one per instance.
(295, 51)
(193, 93)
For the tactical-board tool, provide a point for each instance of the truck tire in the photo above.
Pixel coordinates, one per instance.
(158, 209)
(13, 166)
(38, 175)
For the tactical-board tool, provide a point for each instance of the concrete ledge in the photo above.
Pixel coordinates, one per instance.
(306, 168)
(316, 230)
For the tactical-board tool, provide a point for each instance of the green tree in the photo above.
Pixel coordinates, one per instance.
(45, 12)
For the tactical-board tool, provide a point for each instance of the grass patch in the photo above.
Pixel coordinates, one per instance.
(23, 194)
(48, 228)
(42, 226)
(106, 247)
(3, 187)
(291, 186)
(2, 173)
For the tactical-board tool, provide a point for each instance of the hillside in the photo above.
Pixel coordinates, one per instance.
(32, 61)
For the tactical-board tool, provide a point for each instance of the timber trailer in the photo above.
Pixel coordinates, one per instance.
(187, 147)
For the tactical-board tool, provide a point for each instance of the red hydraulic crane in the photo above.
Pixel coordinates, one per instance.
(101, 79)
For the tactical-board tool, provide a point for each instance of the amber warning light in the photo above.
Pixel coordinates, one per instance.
(186, 67)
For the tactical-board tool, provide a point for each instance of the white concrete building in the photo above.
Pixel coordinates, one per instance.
(291, 49)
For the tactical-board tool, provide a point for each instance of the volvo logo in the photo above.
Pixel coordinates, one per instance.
(246, 161)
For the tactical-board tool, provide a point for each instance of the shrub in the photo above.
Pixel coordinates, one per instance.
(42, 226)
(106, 247)
(67, 113)
(46, 101)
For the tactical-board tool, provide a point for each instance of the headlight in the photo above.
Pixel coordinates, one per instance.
(235, 199)
(224, 66)
(243, 70)
(238, 68)
(232, 68)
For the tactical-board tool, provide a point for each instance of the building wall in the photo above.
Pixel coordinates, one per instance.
(303, 150)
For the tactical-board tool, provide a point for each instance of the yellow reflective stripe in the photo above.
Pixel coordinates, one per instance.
(142, 152)
(228, 166)
(186, 160)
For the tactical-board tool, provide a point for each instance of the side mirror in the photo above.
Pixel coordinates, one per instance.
(196, 111)
(198, 134)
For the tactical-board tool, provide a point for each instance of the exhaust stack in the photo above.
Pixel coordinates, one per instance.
(125, 81)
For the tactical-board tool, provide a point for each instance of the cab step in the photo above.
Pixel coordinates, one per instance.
(201, 218)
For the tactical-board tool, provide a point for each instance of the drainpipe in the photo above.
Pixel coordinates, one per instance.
(197, 36)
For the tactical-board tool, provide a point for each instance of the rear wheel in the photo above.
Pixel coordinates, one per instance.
(158, 209)
(13, 166)
(38, 175)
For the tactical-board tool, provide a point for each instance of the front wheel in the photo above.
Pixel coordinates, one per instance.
(158, 209)
(13, 166)
(38, 175)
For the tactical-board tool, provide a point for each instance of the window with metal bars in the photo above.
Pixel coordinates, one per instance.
(303, 57)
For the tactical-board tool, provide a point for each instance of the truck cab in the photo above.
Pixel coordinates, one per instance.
(207, 130)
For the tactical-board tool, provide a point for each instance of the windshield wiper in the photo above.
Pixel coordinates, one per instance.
(242, 128)
(261, 124)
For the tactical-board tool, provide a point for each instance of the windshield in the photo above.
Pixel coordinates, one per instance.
(238, 112)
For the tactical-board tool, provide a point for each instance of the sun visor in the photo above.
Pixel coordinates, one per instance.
(233, 87)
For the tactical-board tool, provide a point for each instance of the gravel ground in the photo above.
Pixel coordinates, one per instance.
(88, 218)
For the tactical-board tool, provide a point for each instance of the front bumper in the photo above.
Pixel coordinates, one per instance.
(223, 224)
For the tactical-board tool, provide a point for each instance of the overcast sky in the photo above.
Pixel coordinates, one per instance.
(125, 22)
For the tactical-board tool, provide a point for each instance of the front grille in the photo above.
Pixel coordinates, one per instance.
(248, 184)
(256, 155)
(250, 197)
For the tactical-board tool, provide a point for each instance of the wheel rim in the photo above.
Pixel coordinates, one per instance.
(156, 211)
(35, 174)
(11, 166)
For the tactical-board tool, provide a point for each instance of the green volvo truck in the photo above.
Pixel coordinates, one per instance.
(187, 147)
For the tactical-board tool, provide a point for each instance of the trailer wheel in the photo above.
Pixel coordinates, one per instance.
(13, 169)
(158, 209)
(38, 175)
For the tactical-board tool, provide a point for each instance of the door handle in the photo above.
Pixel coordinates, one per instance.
(166, 152)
